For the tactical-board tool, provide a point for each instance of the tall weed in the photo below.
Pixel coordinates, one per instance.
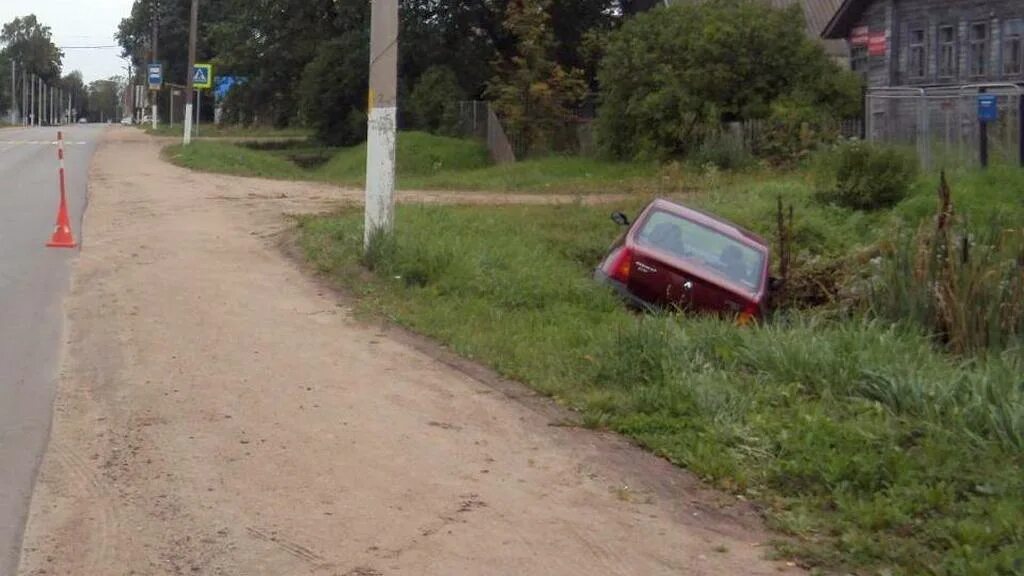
(964, 284)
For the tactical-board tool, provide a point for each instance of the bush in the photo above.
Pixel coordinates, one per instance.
(332, 91)
(433, 102)
(672, 72)
(863, 176)
(793, 131)
(722, 150)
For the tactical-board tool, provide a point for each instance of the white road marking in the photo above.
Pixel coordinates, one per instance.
(43, 142)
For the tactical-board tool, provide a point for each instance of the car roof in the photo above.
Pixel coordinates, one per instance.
(716, 223)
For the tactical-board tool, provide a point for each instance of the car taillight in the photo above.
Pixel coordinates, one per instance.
(621, 265)
(748, 316)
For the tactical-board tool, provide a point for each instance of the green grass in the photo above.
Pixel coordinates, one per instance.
(419, 155)
(235, 160)
(431, 162)
(228, 132)
(996, 194)
(871, 449)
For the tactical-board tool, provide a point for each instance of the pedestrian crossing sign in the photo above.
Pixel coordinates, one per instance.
(202, 76)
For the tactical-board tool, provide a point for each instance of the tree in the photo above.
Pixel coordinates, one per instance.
(75, 90)
(674, 73)
(31, 45)
(433, 103)
(299, 58)
(533, 94)
(333, 87)
(103, 100)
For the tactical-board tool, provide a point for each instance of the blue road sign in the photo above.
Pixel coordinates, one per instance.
(156, 76)
(988, 108)
(224, 84)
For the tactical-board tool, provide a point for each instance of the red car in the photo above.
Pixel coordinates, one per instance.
(681, 258)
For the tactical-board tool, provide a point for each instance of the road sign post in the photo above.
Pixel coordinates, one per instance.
(988, 111)
(202, 79)
(156, 82)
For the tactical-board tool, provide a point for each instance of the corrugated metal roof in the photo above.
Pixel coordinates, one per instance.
(818, 13)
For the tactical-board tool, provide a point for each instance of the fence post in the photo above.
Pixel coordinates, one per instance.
(923, 132)
(1020, 128)
(983, 137)
(864, 106)
(868, 127)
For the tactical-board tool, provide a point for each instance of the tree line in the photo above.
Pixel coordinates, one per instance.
(661, 76)
(28, 43)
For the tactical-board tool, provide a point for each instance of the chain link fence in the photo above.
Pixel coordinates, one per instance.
(476, 119)
(571, 134)
(942, 123)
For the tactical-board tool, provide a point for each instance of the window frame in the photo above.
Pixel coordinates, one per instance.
(954, 52)
(860, 59)
(917, 52)
(1016, 53)
(986, 49)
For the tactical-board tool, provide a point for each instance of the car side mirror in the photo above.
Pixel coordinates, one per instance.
(620, 219)
(776, 284)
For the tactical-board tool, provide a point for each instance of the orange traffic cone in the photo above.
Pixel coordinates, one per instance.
(62, 236)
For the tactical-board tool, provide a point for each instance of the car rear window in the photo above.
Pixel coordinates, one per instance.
(708, 249)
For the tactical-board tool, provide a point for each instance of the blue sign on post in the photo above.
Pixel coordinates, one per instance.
(988, 108)
(156, 76)
(224, 84)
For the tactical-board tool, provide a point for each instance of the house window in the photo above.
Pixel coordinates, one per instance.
(1013, 48)
(979, 49)
(859, 59)
(947, 51)
(918, 54)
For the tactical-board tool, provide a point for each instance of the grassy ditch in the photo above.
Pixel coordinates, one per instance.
(426, 162)
(212, 131)
(871, 448)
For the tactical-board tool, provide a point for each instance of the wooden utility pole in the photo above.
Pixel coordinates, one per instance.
(383, 120)
(193, 32)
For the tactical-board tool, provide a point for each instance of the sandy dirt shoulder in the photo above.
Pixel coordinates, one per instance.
(220, 412)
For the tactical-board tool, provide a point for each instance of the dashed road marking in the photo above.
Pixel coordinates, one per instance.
(43, 142)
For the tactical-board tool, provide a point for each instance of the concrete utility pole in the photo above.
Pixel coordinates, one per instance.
(24, 96)
(156, 43)
(14, 93)
(383, 120)
(192, 33)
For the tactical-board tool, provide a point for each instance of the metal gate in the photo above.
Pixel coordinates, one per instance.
(942, 123)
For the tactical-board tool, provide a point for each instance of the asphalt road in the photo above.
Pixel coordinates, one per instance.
(33, 282)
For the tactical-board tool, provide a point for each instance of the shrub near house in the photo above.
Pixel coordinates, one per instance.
(672, 76)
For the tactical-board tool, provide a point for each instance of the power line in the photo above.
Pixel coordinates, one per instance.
(88, 47)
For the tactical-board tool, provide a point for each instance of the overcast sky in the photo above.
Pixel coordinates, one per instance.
(78, 23)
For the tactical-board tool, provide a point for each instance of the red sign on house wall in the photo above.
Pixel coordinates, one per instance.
(859, 36)
(878, 45)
